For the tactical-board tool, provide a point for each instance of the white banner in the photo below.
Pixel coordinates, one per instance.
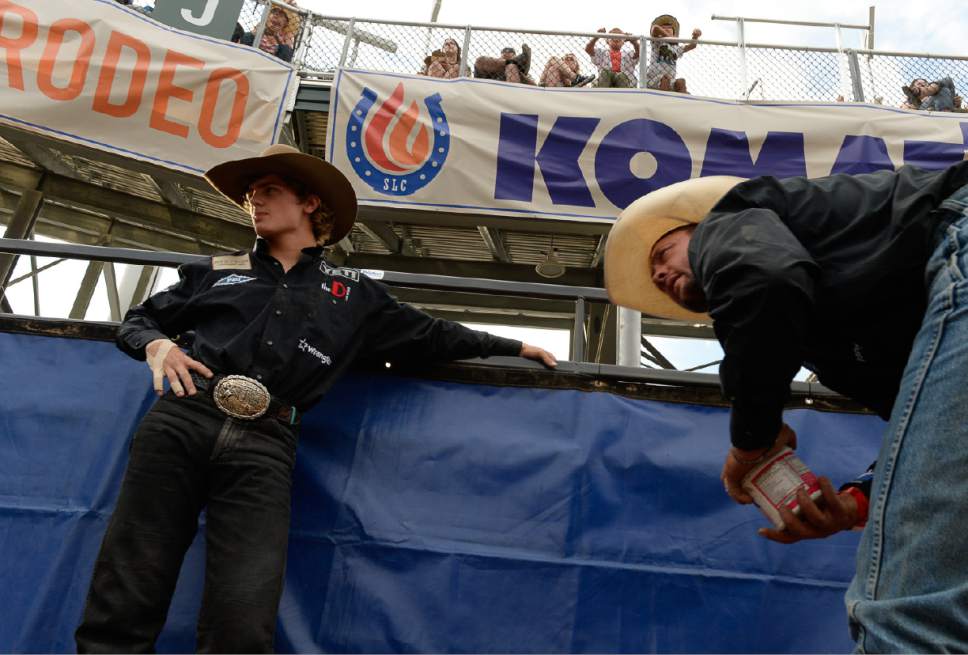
(483, 146)
(104, 75)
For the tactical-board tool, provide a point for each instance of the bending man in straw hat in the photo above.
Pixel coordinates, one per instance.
(274, 328)
(861, 279)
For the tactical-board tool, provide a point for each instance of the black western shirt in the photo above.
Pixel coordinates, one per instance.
(295, 331)
(825, 273)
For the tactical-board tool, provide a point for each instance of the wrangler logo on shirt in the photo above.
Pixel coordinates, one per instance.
(305, 347)
(230, 280)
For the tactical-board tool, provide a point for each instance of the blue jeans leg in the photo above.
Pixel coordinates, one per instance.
(910, 592)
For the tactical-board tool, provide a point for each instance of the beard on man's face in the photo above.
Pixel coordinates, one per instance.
(693, 297)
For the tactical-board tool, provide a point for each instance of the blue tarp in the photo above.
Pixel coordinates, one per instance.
(444, 517)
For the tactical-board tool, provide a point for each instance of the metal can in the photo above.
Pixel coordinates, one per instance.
(774, 484)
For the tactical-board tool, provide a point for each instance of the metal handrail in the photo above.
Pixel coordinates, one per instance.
(504, 287)
(154, 258)
(578, 295)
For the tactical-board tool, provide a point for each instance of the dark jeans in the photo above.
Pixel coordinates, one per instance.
(185, 456)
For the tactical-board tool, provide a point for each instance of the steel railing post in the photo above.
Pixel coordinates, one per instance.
(261, 27)
(856, 83)
(578, 332)
(643, 44)
(464, 72)
(346, 43)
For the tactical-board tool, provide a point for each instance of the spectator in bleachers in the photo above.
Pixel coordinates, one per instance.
(429, 60)
(616, 66)
(509, 67)
(279, 36)
(563, 71)
(930, 96)
(661, 73)
(447, 66)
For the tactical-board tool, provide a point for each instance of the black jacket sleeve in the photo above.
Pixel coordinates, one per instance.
(760, 283)
(863, 481)
(398, 331)
(163, 315)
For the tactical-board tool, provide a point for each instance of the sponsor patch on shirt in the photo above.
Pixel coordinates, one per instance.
(238, 262)
(233, 279)
(306, 347)
(348, 273)
(338, 290)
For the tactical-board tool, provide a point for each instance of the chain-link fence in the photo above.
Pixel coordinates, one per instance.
(318, 45)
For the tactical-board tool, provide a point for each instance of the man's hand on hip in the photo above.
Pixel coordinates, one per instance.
(538, 354)
(740, 462)
(165, 359)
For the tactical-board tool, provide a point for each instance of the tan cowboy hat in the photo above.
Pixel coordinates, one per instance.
(628, 274)
(667, 19)
(233, 178)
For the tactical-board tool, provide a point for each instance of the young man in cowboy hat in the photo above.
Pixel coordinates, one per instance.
(861, 279)
(274, 328)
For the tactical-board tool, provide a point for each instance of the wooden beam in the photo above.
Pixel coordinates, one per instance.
(97, 204)
(172, 193)
(599, 252)
(19, 137)
(494, 242)
(383, 233)
(396, 215)
(20, 226)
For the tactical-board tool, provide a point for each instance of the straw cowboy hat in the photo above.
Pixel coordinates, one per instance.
(666, 19)
(628, 273)
(233, 178)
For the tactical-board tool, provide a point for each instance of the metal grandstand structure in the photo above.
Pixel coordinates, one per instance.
(57, 190)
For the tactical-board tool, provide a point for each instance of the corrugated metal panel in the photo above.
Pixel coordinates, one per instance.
(531, 248)
(115, 177)
(449, 242)
(363, 243)
(214, 204)
(316, 125)
(13, 156)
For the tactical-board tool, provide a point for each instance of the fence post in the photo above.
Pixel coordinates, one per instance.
(261, 27)
(346, 43)
(578, 332)
(855, 80)
(628, 350)
(463, 52)
(643, 43)
(305, 38)
(741, 25)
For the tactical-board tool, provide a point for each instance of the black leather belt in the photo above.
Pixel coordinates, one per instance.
(244, 398)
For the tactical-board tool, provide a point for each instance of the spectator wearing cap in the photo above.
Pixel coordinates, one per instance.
(509, 67)
(661, 73)
(278, 37)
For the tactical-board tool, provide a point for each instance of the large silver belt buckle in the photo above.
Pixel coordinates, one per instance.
(241, 397)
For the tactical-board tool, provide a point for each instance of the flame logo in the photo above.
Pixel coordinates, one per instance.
(397, 160)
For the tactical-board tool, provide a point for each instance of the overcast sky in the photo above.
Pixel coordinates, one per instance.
(906, 26)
